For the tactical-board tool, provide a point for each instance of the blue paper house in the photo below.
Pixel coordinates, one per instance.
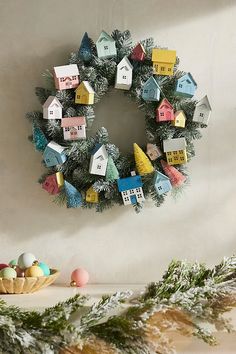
(131, 189)
(54, 154)
(151, 90)
(73, 196)
(106, 47)
(85, 50)
(186, 86)
(161, 183)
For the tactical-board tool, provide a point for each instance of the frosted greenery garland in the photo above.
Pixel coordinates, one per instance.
(188, 297)
(101, 75)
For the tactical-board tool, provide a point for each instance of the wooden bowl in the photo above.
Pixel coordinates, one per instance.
(28, 284)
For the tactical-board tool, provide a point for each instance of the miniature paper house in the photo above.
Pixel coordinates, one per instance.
(179, 120)
(74, 128)
(106, 46)
(124, 74)
(131, 189)
(161, 183)
(186, 86)
(163, 61)
(53, 183)
(175, 150)
(66, 76)
(91, 195)
(153, 152)
(165, 111)
(151, 90)
(202, 111)
(54, 154)
(84, 94)
(52, 108)
(98, 160)
(138, 53)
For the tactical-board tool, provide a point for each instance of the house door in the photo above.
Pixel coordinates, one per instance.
(84, 99)
(133, 199)
(152, 93)
(73, 133)
(68, 83)
(56, 113)
(168, 115)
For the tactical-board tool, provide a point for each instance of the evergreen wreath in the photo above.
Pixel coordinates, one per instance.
(71, 180)
(189, 297)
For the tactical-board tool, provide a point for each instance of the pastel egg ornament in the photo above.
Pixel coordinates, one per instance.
(79, 277)
(45, 268)
(3, 265)
(34, 271)
(13, 262)
(26, 260)
(8, 273)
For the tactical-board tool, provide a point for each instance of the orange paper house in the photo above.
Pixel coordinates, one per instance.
(84, 94)
(163, 61)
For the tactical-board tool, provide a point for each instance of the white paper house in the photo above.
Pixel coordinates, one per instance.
(98, 161)
(124, 74)
(74, 128)
(52, 108)
(202, 111)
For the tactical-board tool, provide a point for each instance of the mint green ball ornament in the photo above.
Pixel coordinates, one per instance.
(8, 273)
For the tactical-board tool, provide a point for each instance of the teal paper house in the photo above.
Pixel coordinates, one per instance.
(54, 154)
(161, 183)
(186, 86)
(106, 47)
(151, 90)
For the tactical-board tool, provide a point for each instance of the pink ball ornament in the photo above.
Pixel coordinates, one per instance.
(79, 277)
(3, 265)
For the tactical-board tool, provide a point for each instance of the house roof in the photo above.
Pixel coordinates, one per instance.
(174, 144)
(125, 62)
(100, 147)
(152, 80)
(137, 47)
(54, 146)
(165, 102)
(205, 101)
(73, 121)
(50, 100)
(106, 36)
(186, 77)
(127, 183)
(180, 113)
(87, 86)
(160, 177)
(164, 55)
(66, 70)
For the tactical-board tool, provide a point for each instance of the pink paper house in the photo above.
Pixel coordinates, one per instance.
(50, 184)
(138, 53)
(66, 76)
(74, 128)
(165, 111)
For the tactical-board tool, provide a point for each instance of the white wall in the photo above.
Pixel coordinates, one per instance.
(118, 246)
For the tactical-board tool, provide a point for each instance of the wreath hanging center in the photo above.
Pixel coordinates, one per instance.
(89, 171)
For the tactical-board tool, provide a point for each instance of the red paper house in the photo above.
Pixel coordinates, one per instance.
(138, 53)
(50, 184)
(165, 111)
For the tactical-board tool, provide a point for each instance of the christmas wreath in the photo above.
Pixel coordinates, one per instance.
(89, 171)
(188, 299)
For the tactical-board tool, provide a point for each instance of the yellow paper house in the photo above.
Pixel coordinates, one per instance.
(91, 195)
(179, 120)
(84, 94)
(175, 150)
(163, 61)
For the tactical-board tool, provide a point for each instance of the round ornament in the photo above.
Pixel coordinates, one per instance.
(13, 262)
(45, 268)
(34, 271)
(26, 260)
(8, 273)
(20, 272)
(3, 265)
(79, 277)
(89, 171)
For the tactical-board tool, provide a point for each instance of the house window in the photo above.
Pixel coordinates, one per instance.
(105, 47)
(170, 160)
(124, 77)
(162, 114)
(201, 115)
(80, 127)
(51, 112)
(145, 91)
(169, 69)
(139, 196)
(126, 199)
(138, 190)
(182, 158)
(169, 153)
(176, 158)
(78, 96)
(61, 79)
(175, 152)
(67, 129)
(162, 68)
(74, 77)
(125, 193)
(160, 188)
(180, 85)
